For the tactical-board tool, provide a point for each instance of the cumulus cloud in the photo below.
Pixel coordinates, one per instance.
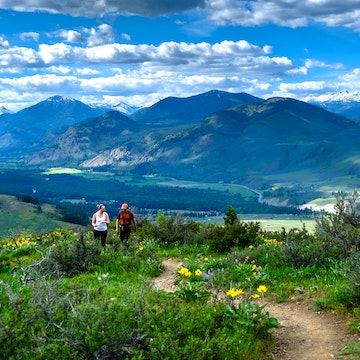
(44, 83)
(138, 70)
(4, 44)
(32, 35)
(103, 34)
(193, 55)
(290, 13)
(71, 36)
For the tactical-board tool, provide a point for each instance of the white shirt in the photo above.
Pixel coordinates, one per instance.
(100, 221)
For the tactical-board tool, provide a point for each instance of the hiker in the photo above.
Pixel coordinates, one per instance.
(100, 220)
(124, 222)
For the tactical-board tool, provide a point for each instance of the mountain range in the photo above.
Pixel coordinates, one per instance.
(345, 103)
(215, 137)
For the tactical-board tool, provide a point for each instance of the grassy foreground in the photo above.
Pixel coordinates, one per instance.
(63, 297)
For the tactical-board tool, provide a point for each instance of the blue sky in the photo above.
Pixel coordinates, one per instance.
(141, 51)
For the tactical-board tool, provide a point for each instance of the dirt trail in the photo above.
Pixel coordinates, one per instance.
(303, 334)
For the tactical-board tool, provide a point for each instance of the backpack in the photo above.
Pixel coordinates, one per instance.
(125, 217)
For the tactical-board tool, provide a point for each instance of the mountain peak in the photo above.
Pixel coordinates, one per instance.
(59, 98)
(4, 110)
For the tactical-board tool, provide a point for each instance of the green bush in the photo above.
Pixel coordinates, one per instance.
(174, 230)
(69, 258)
(222, 239)
(302, 248)
(342, 229)
(350, 271)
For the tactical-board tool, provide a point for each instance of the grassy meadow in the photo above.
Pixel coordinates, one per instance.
(19, 217)
(77, 300)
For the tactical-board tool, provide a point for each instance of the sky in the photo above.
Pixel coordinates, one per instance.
(141, 51)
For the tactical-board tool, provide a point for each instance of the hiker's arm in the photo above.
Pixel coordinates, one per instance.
(107, 219)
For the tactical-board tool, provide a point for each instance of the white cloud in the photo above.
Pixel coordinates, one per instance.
(19, 57)
(71, 36)
(54, 54)
(290, 13)
(312, 63)
(219, 56)
(103, 34)
(87, 71)
(303, 86)
(296, 72)
(32, 35)
(142, 70)
(126, 37)
(60, 69)
(4, 44)
(350, 80)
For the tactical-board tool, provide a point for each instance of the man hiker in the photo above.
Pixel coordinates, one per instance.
(124, 222)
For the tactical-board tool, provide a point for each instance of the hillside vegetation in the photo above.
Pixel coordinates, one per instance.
(25, 215)
(78, 301)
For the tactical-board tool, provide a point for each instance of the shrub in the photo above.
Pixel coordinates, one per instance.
(222, 239)
(67, 258)
(174, 230)
(350, 271)
(302, 248)
(342, 229)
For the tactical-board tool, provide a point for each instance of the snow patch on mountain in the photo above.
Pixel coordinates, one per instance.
(340, 97)
(58, 98)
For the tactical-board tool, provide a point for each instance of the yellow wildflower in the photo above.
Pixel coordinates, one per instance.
(185, 271)
(198, 272)
(262, 289)
(188, 273)
(234, 292)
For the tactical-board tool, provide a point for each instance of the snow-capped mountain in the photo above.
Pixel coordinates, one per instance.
(122, 107)
(4, 110)
(342, 96)
(346, 103)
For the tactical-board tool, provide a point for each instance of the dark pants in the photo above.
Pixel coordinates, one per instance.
(102, 235)
(125, 231)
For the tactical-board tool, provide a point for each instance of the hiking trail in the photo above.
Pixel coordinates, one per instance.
(303, 332)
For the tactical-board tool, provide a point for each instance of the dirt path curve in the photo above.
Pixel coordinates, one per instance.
(303, 334)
